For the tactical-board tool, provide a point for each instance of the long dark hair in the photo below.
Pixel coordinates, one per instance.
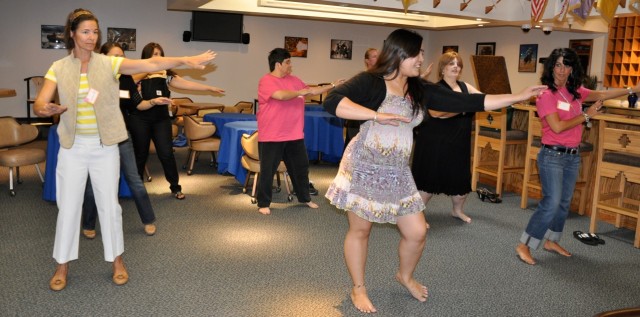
(400, 45)
(147, 52)
(73, 20)
(106, 47)
(570, 58)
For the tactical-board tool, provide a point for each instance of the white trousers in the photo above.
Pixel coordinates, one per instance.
(102, 162)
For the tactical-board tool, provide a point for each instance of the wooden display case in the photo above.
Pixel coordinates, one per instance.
(622, 64)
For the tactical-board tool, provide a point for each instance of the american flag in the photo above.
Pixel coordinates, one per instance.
(537, 9)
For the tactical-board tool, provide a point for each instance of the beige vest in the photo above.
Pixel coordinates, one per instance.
(111, 126)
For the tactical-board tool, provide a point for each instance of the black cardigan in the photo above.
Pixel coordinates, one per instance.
(370, 90)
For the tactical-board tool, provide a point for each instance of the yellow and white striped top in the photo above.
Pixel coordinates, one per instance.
(86, 123)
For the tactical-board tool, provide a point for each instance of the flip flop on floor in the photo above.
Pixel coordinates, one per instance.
(596, 238)
(585, 238)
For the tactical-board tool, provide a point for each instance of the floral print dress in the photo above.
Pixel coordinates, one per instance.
(374, 179)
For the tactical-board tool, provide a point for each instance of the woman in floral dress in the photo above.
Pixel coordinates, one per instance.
(374, 182)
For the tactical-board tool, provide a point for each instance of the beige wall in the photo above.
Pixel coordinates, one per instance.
(238, 67)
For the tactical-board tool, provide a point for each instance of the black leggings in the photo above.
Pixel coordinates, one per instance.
(143, 130)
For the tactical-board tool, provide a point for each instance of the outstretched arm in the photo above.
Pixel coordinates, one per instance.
(493, 102)
(156, 63)
(181, 83)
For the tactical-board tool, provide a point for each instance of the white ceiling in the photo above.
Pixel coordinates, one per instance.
(421, 15)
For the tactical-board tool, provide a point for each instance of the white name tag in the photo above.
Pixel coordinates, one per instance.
(159, 93)
(91, 96)
(564, 105)
(124, 94)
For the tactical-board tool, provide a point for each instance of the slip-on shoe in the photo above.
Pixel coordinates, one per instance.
(585, 238)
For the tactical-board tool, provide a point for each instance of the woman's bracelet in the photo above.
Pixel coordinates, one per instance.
(375, 117)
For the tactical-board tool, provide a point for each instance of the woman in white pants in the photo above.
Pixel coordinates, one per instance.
(90, 128)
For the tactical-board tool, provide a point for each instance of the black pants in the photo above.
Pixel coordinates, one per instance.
(294, 155)
(143, 130)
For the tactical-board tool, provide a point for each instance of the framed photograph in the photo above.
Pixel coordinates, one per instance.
(450, 48)
(52, 37)
(583, 49)
(487, 48)
(296, 46)
(125, 37)
(341, 49)
(527, 57)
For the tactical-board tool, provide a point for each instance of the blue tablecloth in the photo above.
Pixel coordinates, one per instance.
(230, 149)
(220, 119)
(323, 136)
(313, 107)
(53, 145)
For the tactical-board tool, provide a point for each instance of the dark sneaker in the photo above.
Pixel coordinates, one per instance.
(312, 190)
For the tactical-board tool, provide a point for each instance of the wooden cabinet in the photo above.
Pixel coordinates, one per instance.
(622, 65)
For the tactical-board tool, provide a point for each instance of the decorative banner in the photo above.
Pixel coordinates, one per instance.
(561, 9)
(582, 13)
(634, 6)
(537, 10)
(488, 9)
(407, 3)
(607, 9)
(464, 4)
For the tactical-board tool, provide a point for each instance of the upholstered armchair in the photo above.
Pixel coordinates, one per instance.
(12, 154)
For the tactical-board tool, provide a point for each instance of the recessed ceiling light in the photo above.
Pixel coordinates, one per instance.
(478, 19)
(537, 26)
(480, 25)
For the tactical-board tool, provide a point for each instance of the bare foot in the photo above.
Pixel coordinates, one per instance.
(360, 299)
(59, 280)
(417, 290)
(313, 205)
(460, 215)
(552, 246)
(264, 210)
(524, 254)
(120, 275)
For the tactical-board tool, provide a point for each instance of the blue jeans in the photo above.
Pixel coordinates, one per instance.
(138, 191)
(558, 175)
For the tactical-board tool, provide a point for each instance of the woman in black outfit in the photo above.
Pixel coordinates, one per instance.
(441, 162)
(152, 120)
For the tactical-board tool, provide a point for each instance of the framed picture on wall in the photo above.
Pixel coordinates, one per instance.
(486, 48)
(452, 48)
(52, 37)
(341, 49)
(125, 37)
(296, 46)
(527, 58)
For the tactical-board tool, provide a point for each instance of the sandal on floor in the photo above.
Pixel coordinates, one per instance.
(585, 238)
(179, 195)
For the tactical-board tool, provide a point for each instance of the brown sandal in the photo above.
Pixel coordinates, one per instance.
(179, 195)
